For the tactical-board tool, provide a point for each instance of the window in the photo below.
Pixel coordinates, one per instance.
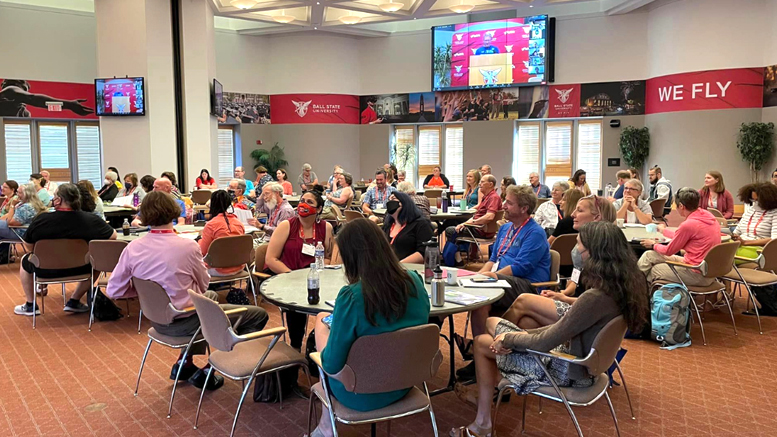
(88, 153)
(526, 152)
(53, 140)
(18, 147)
(226, 140)
(428, 151)
(558, 152)
(404, 154)
(454, 155)
(589, 152)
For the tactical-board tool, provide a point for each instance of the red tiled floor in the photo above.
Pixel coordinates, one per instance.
(62, 380)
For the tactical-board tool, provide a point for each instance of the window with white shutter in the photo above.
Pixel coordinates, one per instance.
(18, 151)
(454, 155)
(558, 152)
(54, 150)
(404, 158)
(428, 151)
(226, 140)
(526, 153)
(589, 152)
(88, 152)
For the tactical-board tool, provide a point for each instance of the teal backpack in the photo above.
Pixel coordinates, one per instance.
(671, 316)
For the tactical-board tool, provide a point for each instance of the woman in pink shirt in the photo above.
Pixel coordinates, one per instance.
(223, 224)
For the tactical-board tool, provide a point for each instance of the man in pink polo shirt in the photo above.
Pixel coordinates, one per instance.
(699, 233)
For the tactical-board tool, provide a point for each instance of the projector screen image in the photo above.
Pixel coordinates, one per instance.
(489, 53)
(124, 96)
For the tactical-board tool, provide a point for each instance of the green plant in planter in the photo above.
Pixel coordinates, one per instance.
(272, 159)
(635, 145)
(756, 144)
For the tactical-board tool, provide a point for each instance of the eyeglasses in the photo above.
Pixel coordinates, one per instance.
(630, 189)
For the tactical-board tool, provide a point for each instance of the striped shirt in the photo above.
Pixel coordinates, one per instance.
(757, 224)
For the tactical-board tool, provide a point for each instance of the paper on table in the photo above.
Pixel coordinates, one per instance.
(250, 229)
(121, 201)
(633, 225)
(460, 298)
(243, 215)
(463, 272)
(469, 283)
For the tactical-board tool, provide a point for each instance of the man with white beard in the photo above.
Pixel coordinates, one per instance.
(272, 203)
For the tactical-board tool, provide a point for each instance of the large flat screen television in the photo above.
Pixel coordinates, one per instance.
(120, 96)
(490, 54)
(217, 99)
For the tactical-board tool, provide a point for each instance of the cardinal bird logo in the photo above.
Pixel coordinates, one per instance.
(459, 36)
(301, 107)
(474, 51)
(458, 68)
(509, 48)
(563, 95)
(489, 76)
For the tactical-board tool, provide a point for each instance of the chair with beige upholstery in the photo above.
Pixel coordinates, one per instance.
(200, 198)
(599, 359)
(103, 256)
(232, 251)
(339, 217)
(564, 244)
(716, 213)
(59, 255)
(492, 227)
(351, 215)
(156, 306)
(657, 206)
(407, 357)
(241, 357)
(432, 194)
(762, 275)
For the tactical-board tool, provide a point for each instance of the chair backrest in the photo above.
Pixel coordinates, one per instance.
(259, 257)
(555, 265)
(216, 327)
(715, 212)
(406, 357)
(769, 255)
(722, 222)
(357, 195)
(564, 244)
(493, 226)
(338, 213)
(336, 257)
(352, 215)
(154, 302)
(657, 206)
(540, 201)
(230, 251)
(605, 346)
(720, 260)
(60, 254)
(433, 193)
(104, 254)
(201, 197)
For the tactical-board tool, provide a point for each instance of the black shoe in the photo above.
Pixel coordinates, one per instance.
(466, 373)
(187, 372)
(198, 380)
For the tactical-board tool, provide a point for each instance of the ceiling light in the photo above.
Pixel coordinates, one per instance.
(243, 4)
(350, 19)
(390, 6)
(283, 18)
(462, 8)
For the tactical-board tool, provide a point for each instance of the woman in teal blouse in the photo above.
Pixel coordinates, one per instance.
(381, 296)
(472, 194)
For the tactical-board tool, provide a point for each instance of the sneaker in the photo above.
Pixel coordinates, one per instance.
(466, 373)
(25, 310)
(198, 379)
(75, 306)
(187, 372)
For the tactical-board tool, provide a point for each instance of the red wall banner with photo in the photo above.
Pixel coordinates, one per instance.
(23, 98)
(564, 101)
(314, 108)
(703, 90)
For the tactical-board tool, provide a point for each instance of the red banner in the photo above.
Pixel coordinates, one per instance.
(702, 90)
(39, 99)
(314, 108)
(564, 101)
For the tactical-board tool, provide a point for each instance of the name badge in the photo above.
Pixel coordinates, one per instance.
(379, 206)
(495, 267)
(575, 276)
(309, 250)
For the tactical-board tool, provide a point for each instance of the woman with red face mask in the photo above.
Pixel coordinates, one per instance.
(292, 247)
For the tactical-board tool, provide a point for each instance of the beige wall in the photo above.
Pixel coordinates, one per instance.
(374, 142)
(610, 145)
(489, 143)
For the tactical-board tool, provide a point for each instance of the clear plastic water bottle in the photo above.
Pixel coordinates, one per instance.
(314, 285)
(431, 260)
(320, 256)
(609, 192)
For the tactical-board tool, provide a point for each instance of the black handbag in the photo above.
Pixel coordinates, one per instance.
(266, 386)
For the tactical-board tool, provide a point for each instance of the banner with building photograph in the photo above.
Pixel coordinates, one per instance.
(245, 108)
(612, 98)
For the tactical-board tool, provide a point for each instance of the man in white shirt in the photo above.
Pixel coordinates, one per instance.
(631, 207)
(660, 188)
(51, 187)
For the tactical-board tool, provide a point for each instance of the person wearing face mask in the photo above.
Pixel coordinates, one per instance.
(292, 247)
(165, 185)
(272, 204)
(236, 190)
(109, 189)
(132, 187)
(406, 229)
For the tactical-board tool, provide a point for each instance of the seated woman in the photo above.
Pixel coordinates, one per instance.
(109, 189)
(147, 183)
(341, 196)
(436, 179)
(421, 201)
(472, 193)
(715, 195)
(615, 287)
(380, 297)
(22, 213)
(9, 192)
(292, 247)
(406, 228)
(758, 225)
(283, 179)
(222, 224)
(577, 181)
(204, 181)
(549, 213)
(568, 204)
(506, 182)
(88, 192)
(132, 187)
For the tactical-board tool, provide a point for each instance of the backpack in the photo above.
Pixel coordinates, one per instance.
(671, 316)
(767, 297)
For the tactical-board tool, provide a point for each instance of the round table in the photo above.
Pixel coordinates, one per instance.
(289, 291)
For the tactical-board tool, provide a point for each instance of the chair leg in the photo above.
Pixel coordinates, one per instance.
(94, 295)
(283, 323)
(523, 415)
(240, 404)
(466, 324)
(698, 316)
(35, 302)
(496, 409)
(539, 405)
(253, 287)
(755, 307)
(126, 301)
(175, 383)
(730, 311)
(626, 389)
(373, 430)
(142, 363)
(310, 412)
(280, 388)
(612, 411)
(431, 412)
(140, 318)
(202, 393)
(64, 296)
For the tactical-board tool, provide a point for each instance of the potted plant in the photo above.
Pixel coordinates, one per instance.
(403, 156)
(272, 159)
(756, 143)
(635, 145)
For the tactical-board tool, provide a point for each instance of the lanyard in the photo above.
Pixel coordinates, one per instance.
(162, 231)
(275, 214)
(755, 229)
(377, 195)
(397, 234)
(539, 187)
(558, 211)
(499, 252)
(302, 233)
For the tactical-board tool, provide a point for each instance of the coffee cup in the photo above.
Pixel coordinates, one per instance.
(452, 275)
(620, 222)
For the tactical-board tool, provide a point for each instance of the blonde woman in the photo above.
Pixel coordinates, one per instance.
(22, 213)
(472, 194)
(568, 205)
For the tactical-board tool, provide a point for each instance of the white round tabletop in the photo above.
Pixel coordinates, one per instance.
(289, 290)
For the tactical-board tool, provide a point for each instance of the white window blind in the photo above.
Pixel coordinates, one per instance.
(589, 152)
(526, 156)
(88, 153)
(428, 151)
(53, 146)
(226, 141)
(558, 152)
(404, 138)
(18, 152)
(454, 156)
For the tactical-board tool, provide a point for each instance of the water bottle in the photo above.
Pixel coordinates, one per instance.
(135, 200)
(438, 288)
(444, 202)
(125, 227)
(313, 285)
(431, 260)
(319, 256)
(609, 190)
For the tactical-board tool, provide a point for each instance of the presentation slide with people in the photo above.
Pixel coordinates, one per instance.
(490, 53)
(120, 96)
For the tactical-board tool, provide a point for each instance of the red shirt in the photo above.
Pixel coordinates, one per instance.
(491, 203)
(369, 115)
(199, 182)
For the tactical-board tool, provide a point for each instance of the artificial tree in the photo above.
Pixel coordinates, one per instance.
(756, 144)
(272, 159)
(635, 146)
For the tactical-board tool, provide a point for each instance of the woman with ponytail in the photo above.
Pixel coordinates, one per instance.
(223, 223)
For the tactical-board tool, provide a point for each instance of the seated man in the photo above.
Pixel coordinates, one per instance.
(631, 207)
(485, 212)
(623, 176)
(277, 209)
(166, 186)
(66, 222)
(660, 188)
(237, 189)
(261, 178)
(377, 196)
(241, 174)
(540, 190)
(699, 233)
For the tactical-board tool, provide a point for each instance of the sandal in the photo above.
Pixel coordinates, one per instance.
(465, 347)
(471, 430)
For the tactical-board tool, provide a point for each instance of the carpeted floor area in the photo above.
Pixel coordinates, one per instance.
(62, 380)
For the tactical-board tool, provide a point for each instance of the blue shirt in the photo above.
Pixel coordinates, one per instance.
(44, 196)
(487, 50)
(541, 191)
(373, 197)
(528, 253)
(249, 186)
(618, 193)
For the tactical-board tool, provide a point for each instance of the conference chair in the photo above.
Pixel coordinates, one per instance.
(103, 256)
(57, 254)
(657, 206)
(716, 213)
(339, 217)
(490, 228)
(200, 198)
(540, 201)
(232, 251)
(407, 357)
(352, 215)
(564, 244)
(241, 357)
(555, 279)
(157, 307)
(12, 243)
(601, 356)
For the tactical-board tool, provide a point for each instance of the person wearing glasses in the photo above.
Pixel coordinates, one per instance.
(631, 207)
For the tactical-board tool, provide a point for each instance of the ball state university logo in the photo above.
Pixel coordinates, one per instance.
(563, 95)
(459, 36)
(490, 76)
(458, 68)
(301, 107)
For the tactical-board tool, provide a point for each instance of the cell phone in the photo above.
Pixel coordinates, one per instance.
(483, 279)
(334, 267)
(327, 321)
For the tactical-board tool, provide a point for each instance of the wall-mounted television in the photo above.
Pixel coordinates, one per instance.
(491, 54)
(120, 96)
(217, 99)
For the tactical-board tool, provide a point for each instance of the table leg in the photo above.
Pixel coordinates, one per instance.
(452, 358)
